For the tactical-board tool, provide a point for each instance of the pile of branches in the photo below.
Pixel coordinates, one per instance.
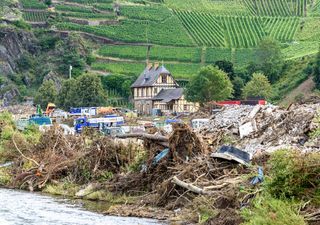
(201, 176)
(58, 156)
(183, 174)
(183, 145)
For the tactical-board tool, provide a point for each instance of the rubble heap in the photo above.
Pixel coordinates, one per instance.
(262, 128)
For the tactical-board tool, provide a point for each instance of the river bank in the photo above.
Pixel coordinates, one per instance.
(20, 208)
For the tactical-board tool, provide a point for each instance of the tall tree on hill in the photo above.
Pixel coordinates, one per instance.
(316, 71)
(85, 91)
(226, 66)
(46, 93)
(89, 91)
(258, 86)
(66, 97)
(211, 84)
(269, 59)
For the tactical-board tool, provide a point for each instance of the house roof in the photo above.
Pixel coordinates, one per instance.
(167, 95)
(149, 76)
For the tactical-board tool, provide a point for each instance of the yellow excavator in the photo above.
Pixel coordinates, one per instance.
(50, 109)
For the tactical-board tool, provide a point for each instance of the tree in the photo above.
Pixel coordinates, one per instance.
(258, 86)
(46, 93)
(269, 59)
(89, 91)
(84, 91)
(316, 71)
(210, 84)
(238, 85)
(226, 66)
(66, 97)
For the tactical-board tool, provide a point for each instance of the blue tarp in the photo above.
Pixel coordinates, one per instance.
(259, 178)
(160, 156)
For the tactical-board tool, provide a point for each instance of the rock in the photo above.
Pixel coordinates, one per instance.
(9, 97)
(55, 78)
(87, 190)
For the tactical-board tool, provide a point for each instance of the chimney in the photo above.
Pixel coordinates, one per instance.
(149, 66)
(156, 65)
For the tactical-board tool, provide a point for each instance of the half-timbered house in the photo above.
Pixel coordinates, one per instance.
(156, 88)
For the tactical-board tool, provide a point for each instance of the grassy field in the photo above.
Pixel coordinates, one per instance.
(179, 71)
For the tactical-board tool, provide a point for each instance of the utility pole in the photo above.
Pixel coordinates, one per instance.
(70, 70)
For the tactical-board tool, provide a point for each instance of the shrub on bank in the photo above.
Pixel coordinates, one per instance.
(294, 175)
(271, 211)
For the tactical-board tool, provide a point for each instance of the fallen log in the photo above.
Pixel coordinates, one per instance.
(153, 137)
(190, 187)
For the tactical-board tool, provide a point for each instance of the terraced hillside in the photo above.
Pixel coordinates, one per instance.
(183, 34)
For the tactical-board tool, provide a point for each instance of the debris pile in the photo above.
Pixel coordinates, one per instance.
(57, 156)
(261, 128)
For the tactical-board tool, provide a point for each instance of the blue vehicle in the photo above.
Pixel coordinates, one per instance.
(98, 123)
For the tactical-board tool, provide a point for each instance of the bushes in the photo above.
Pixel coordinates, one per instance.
(294, 175)
(271, 211)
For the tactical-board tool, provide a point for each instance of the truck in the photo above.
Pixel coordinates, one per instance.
(83, 111)
(98, 123)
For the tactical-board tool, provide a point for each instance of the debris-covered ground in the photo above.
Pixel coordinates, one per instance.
(228, 172)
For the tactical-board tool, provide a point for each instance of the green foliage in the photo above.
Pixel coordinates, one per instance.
(230, 7)
(238, 85)
(34, 16)
(226, 66)
(74, 60)
(21, 24)
(156, 53)
(294, 175)
(84, 91)
(33, 4)
(269, 59)
(316, 71)
(25, 62)
(276, 7)
(294, 73)
(258, 86)
(65, 98)
(271, 211)
(168, 32)
(210, 84)
(112, 82)
(46, 93)
(1, 80)
(73, 8)
(47, 42)
(281, 28)
(203, 27)
(150, 12)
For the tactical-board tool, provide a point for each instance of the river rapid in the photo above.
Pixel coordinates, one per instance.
(25, 208)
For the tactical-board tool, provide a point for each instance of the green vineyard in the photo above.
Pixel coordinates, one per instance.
(34, 16)
(184, 34)
(277, 7)
(203, 27)
(281, 28)
(242, 31)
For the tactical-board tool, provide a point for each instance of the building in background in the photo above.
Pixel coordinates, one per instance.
(156, 88)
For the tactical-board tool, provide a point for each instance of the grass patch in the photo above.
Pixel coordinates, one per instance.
(270, 211)
(294, 175)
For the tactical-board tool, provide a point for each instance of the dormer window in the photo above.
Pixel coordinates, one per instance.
(164, 78)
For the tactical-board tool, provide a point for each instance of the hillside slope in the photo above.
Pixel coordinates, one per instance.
(182, 34)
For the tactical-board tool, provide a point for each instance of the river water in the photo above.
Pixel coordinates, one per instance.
(25, 208)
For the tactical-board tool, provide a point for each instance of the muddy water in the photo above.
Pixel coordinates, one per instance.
(22, 208)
